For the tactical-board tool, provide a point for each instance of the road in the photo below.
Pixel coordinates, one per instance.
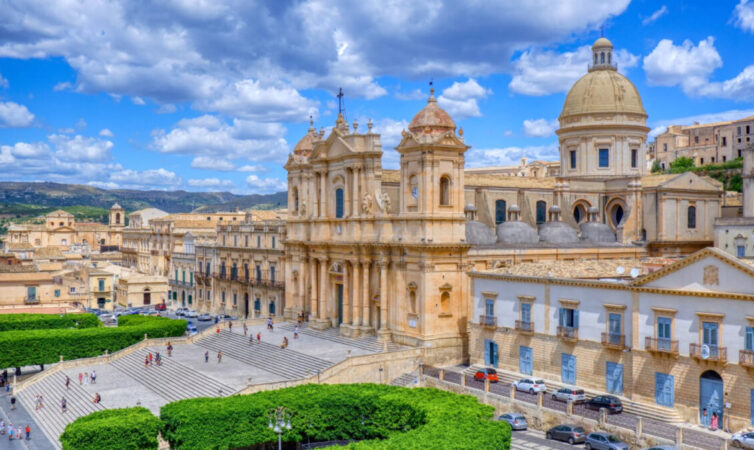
(535, 440)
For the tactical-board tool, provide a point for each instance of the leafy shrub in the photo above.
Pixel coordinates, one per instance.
(377, 415)
(136, 319)
(10, 322)
(128, 429)
(32, 347)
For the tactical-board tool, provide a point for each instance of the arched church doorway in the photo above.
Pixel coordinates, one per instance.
(711, 396)
(246, 305)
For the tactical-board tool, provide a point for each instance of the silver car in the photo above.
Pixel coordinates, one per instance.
(569, 394)
(604, 441)
(515, 420)
(661, 447)
(743, 440)
(530, 385)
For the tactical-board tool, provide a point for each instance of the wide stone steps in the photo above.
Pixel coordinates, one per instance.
(170, 380)
(648, 411)
(368, 343)
(405, 380)
(286, 363)
(50, 418)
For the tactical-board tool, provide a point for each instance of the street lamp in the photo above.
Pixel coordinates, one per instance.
(280, 421)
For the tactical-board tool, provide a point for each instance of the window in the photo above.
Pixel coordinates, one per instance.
(101, 283)
(235, 240)
(295, 200)
(725, 141)
(664, 147)
(222, 269)
(339, 203)
(614, 328)
(740, 251)
(713, 159)
(664, 390)
(725, 158)
(526, 316)
(272, 274)
(273, 241)
(634, 157)
(414, 185)
(208, 269)
(489, 307)
(572, 154)
(259, 273)
(445, 303)
(541, 212)
(234, 272)
(271, 307)
(568, 368)
(749, 340)
(701, 161)
(246, 271)
(604, 157)
(709, 337)
(691, 217)
(739, 131)
(183, 276)
(747, 129)
(176, 274)
(117, 218)
(696, 139)
(57, 292)
(191, 300)
(602, 58)
(664, 333)
(222, 296)
(444, 191)
(568, 318)
(191, 278)
(257, 305)
(223, 239)
(614, 378)
(525, 360)
(235, 299)
(259, 241)
(246, 240)
(500, 208)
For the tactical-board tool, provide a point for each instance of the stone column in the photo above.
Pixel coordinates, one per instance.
(384, 329)
(323, 195)
(356, 294)
(365, 300)
(347, 290)
(313, 292)
(355, 193)
(322, 288)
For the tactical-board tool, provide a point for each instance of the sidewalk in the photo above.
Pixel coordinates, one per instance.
(20, 416)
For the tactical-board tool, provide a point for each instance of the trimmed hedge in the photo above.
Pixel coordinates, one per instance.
(33, 347)
(10, 322)
(385, 417)
(128, 429)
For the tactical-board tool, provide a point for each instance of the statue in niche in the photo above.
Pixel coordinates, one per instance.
(385, 202)
(366, 204)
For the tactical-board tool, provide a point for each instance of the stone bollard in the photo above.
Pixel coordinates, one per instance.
(442, 374)
(463, 380)
(724, 444)
(61, 358)
(569, 408)
(486, 385)
(145, 336)
(513, 392)
(639, 428)
(603, 416)
(540, 399)
(679, 437)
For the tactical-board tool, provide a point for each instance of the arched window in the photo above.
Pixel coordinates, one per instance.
(444, 191)
(412, 301)
(339, 203)
(117, 218)
(595, 58)
(500, 208)
(609, 57)
(602, 58)
(616, 215)
(541, 211)
(579, 213)
(414, 186)
(692, 217)
(445, 303)
(295, 200)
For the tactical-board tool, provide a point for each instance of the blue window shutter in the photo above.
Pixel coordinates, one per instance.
(749, 338)
(752, 406)
(561, 317)
(575, 318)
(659, 383)
(339, 203)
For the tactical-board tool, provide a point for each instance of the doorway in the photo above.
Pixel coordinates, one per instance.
(490, 353)
(147, 297)
(339, 298)
(246, 305)
(711, 395)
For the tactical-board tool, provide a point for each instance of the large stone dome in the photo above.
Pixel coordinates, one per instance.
(306, 144)
(602, 91)
(431, 119)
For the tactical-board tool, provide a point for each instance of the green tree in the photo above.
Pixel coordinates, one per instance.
(682, 164)
(656, 168)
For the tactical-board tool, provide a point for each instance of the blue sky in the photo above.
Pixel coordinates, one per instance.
(211, 95)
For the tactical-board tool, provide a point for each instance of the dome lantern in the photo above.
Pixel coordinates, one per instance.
(602, 55)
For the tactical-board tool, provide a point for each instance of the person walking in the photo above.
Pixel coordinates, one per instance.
(295, 332)
(146, 361)
(245, 329)
(11, 432)
(94, 377)
(86, 378)
(158, 359)
(81, 378)
(219, 356)
(41, 401)
(63, 405)
(230, 325)
(28, 432)
(170, 349)
(218, 330)
(150, 358)
(269, 323)
(206, 356)
(67, 383)
(259, 337)
(12, 402)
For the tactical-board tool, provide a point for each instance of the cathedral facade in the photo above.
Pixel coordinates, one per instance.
(384, 251)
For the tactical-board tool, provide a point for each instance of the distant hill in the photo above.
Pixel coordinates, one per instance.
(59, 195)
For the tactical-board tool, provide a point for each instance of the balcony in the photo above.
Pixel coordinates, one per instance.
(31, 300)
(746, 358)
(715, 353)
(524, 327)
(661, 346)
(568, 333)
(488, 321)
(614, 341)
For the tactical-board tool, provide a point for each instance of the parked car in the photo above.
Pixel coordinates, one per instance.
(573, 434)
(108, 318)
(611, 403)
(204, 317)
(604, 441)
(161, 307)
(191, 329)
(569, 394)
(486, 373)
(191, 313)
(515, 420)
(179, 311)
(661, 447)
(743, 440)
(530, 385)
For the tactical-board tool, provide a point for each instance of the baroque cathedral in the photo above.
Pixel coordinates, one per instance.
(386, 251)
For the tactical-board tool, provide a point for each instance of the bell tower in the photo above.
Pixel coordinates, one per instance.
(117, 217)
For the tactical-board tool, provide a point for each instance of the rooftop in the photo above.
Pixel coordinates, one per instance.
(584, 269)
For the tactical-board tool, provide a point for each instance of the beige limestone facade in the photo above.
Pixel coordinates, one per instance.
(137, 289)
(28, 288)
(735, 235)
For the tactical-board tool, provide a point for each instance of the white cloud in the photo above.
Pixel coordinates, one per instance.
(687, 64)
(744, 15)
(13, 115)
(145, 178)
(3, 82)
(81, 148)
(80, 124)
(208, 136)
(24, 150)
(540, 127)
(252, 168)
(265, 185)
(655, 15)
(509, 156)
(138, 101)
(62, 86)
(206, 162)
(167, 108)
(210, 183)
(460, 99)
(416, 94)
(659, 126)
(544, 72)
(66, 130)
(105, 132)
(390, 136)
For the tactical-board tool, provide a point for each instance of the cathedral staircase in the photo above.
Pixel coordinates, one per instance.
(368, 343)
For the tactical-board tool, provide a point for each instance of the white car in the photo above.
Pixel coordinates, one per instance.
(191, 313)
(574, 395)
(530, 385)
(744, 440)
